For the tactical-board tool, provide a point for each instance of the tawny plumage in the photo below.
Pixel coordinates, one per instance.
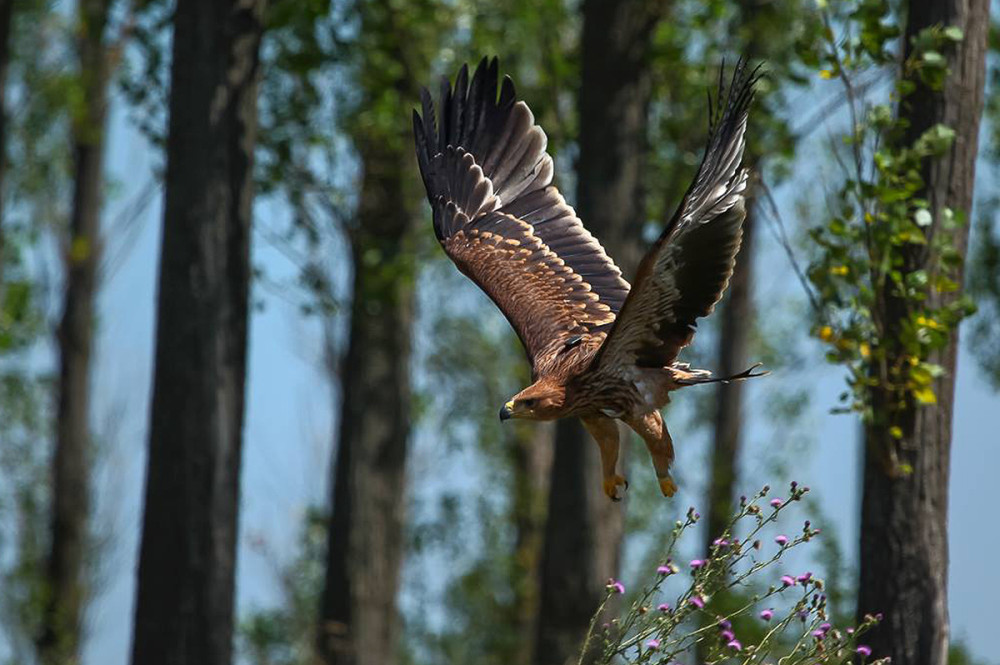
(599, 349)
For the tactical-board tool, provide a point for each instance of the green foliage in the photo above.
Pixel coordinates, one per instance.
(983, 284)
(983, 275)
(35, 196)
(285, 635)
(883, 256)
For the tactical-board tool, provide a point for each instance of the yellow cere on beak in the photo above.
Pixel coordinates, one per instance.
(507, 411)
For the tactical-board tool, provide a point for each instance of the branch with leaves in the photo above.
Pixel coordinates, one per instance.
(883, 250)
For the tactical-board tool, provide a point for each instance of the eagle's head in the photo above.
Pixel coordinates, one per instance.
(542, 400)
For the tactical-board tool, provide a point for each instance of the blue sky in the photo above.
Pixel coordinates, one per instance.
(288, 437)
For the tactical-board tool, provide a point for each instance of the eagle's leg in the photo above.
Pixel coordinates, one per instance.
(605, 432)
(654, 432)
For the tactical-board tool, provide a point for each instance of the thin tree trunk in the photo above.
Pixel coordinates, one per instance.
(358, 616)
(6, 14)
(736, 322)
(59, 640)
(904, 516)
(187, 561)
(533, 454)
(584, 530)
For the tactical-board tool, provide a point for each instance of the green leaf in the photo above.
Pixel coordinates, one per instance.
(933, 59)
(953, 33)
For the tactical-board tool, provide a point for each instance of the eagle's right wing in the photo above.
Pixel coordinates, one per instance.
(687, 269)
(504, 225)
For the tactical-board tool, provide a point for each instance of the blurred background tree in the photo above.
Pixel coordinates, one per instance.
(443, 537)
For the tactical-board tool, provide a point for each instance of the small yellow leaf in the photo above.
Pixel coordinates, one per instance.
(865, 350)
(896, 432)
(826, 333)
(825, 74)
(838, 270)
(925, 395)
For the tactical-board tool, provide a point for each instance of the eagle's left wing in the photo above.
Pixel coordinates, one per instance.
(687, 269)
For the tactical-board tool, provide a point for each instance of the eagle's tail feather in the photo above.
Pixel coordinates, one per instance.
(694, 377)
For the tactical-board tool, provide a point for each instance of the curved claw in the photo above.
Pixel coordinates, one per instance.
(611, 484)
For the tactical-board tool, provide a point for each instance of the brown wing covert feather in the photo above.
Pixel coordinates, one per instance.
(497, 216)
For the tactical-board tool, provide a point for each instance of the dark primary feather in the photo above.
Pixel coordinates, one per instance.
(687, 269)
(488, 177)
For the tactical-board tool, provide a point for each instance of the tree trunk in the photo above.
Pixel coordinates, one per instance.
(358, 616)
(59, 640)
(584, 531)
(904, 536)
(738, 312)
(736, 322)
(187, 561)
(533, 453)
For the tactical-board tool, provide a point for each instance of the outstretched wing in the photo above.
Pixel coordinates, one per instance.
(496, 215)
(687, 269)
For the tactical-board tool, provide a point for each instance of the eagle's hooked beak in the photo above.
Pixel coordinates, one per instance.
(507, 411)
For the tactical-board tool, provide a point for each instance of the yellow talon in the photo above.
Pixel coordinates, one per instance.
(668, 486)
(611, 484)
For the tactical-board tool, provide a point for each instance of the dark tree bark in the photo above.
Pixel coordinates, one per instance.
(584, 529)
(187, 560)
(358, 621)
(904, 516)
(533, 454)
(736, 323)
(59, 639)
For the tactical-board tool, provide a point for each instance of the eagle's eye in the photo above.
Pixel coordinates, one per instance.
(529, 403)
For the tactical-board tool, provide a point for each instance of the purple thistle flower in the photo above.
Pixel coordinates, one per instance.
(781, 540)
(864, 650)
(728, 635)
(697, 563)
(825, 627)
(725, 624)
(617, 587)
(850, 631)
(663, 607)
(818, 634)
(663, 570)
(697, 601)
(787, 580)
(804, 577)
(767, 614)
(803, 615)
(653, 644)
(735, 645)
(720, 542)
(776, 502)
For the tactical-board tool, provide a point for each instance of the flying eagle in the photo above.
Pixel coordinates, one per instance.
(600, 350)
